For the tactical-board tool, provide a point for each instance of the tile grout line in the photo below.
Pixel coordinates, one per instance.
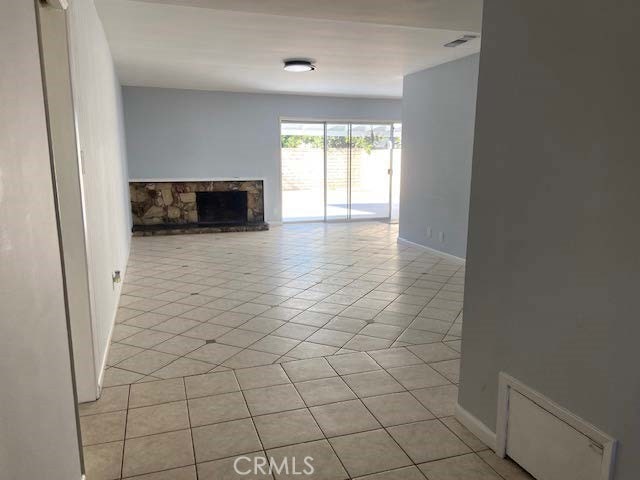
(253, 423)
(408, 423)
(193, 444)
(124, 439)
(279, 363)
(410, 392)
(242, 349)
(382, 426)
(326, 439)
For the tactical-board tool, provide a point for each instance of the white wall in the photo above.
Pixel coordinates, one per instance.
(98, 103)
(173, 134)
(438, 117)
(39, 437)
(553, 267)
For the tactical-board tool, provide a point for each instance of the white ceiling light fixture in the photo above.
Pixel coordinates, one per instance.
(298, 65)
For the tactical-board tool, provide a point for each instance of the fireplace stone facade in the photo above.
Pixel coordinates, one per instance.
(171, 207)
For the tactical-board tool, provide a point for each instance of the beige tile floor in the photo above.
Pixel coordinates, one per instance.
(330, 341)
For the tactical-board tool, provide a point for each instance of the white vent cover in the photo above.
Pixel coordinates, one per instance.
(547, 440)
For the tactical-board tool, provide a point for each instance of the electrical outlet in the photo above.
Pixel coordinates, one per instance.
(116, 278)
(441, 236)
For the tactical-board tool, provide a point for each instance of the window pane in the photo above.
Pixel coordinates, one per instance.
(302, 150)
(337, 171)
(370, 163)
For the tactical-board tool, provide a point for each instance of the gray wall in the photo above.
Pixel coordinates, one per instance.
(438, 115)
(175, 134)
(553, 267)
(38, 436)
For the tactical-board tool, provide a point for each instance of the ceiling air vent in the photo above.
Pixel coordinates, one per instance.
(460, 41)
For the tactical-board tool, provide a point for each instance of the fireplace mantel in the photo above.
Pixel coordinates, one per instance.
(200, 179)
(160, 206)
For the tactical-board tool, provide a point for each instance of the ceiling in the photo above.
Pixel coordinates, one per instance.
(361, 47)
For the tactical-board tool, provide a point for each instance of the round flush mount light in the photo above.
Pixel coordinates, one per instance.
(297, 65)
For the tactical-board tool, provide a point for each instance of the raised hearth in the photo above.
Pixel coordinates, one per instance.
(169, 208)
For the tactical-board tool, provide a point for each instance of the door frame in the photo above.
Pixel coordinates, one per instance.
(68, 191)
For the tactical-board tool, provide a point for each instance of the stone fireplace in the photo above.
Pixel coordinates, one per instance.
(197, 206)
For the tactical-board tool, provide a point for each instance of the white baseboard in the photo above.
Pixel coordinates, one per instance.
(103, 365)
(475, 426)
(409, 243)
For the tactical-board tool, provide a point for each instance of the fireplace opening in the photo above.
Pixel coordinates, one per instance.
(222, 208)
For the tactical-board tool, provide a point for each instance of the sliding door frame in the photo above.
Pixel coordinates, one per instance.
(349, 124)
(391, 172)
(324, 180)
(349, 163)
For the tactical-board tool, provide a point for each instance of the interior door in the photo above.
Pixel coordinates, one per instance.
(302, 151)
(370, 163)
(337, 171)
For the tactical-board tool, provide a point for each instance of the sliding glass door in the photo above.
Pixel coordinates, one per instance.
(302, 150)
(339, 171)
(370, 164)
(396, 162)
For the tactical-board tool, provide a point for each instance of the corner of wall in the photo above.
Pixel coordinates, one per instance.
(475, 426)
(409, 243)
(438, 108)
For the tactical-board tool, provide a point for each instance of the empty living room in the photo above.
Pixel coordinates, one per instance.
(334, 240)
